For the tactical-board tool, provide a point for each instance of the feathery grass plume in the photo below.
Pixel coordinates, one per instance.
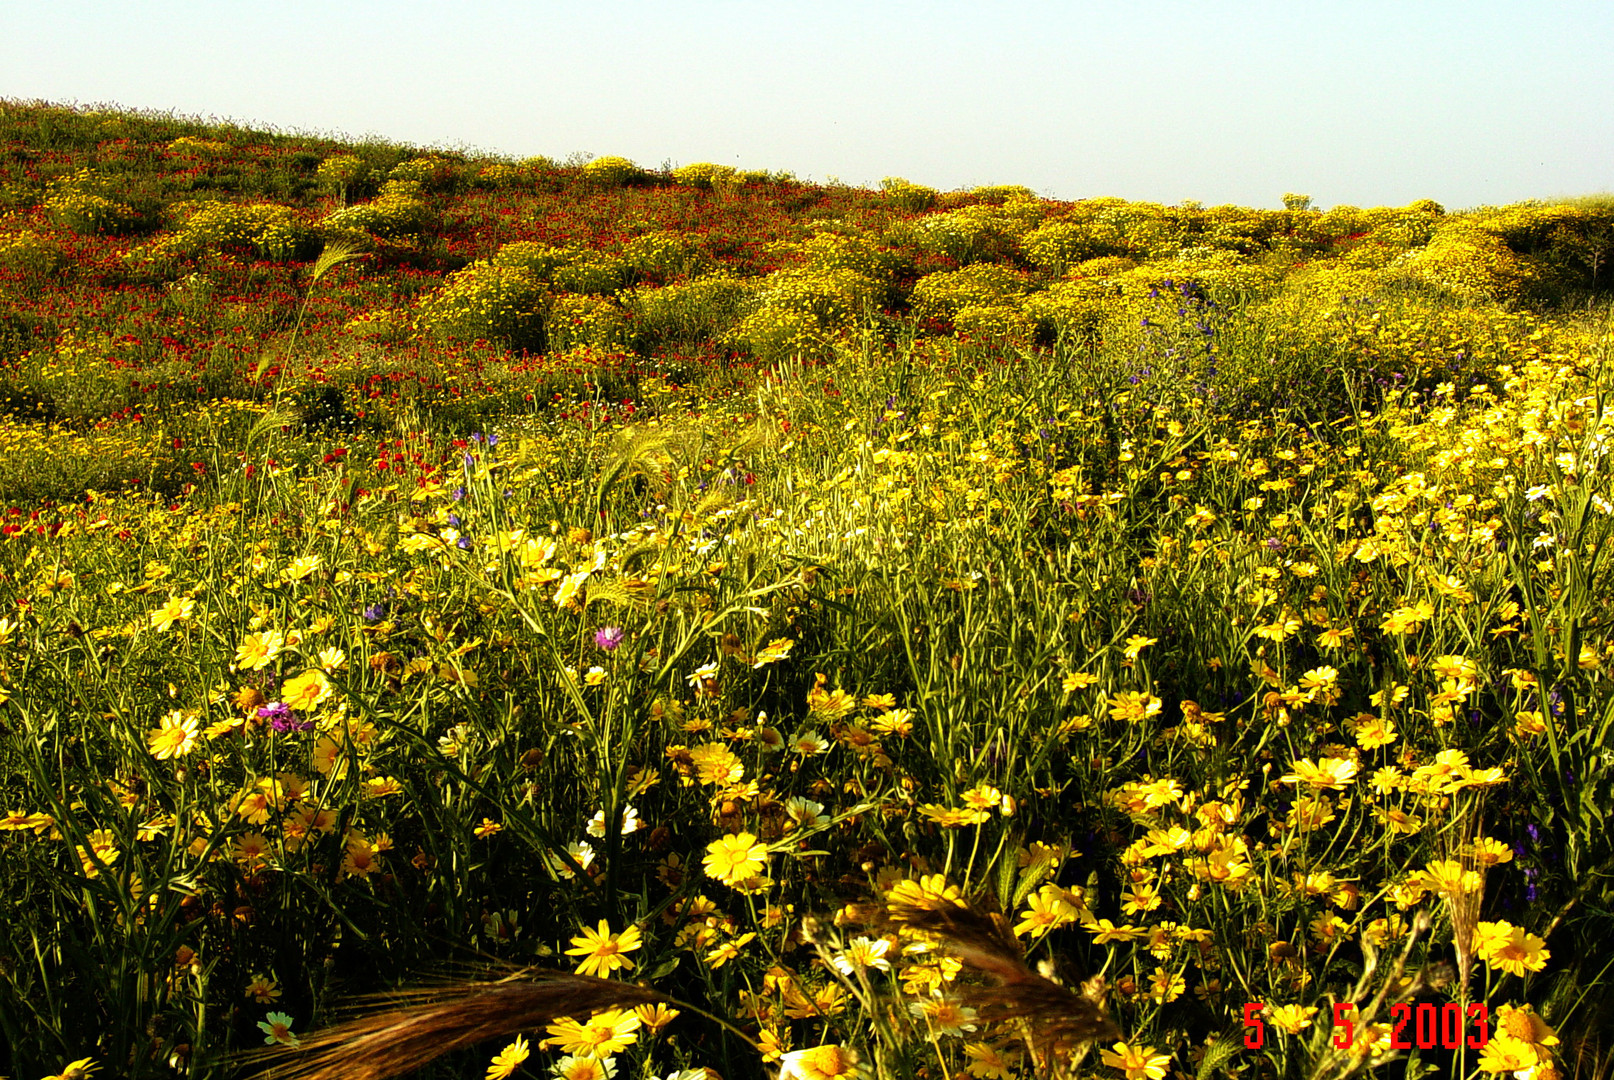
(1055, 1020)
(335, 254)
(428, 1022)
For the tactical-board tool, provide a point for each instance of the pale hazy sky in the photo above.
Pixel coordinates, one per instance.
(1363, 102)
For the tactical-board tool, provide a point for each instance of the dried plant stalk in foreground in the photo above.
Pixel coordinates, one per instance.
(1056, 1020)
(434, 1021)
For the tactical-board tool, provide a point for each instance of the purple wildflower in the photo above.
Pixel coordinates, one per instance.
(608, 637)
(282, 718)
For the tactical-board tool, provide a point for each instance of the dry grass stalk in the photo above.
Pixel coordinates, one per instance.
(1055, 1020)
(1465, 907)
(433, 1021)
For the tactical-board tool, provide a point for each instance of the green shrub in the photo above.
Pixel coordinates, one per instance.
(387, 216)
(611, 171)
(542, 260)
(689, 311)
(661, 256)
(704, 176)
(501, 304)
(270, 230)
(587, 321)
(982, 285)
(88, 214)
(30, 253)
(906, 195)
(589, 271)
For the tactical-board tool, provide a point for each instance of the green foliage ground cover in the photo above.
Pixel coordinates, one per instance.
(414, 560)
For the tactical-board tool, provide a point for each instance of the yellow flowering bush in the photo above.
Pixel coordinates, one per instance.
(704, 175)
(912, 197)
(1226, 271)
(587, 271)
(342, 172)
(997, 194)
(88, 213)
(30, 253)
(701, 308)
(487, 302)
(432, 172)
(775, 333)
(1469, 263)
(1077, 308)
(995, 322)
(502, 176)
(942, 294)
(390, 215)
(978, 232)
(542, 260)
(270, 230)
(662, 255)
(1060, 245)
(858, 253)
(610, 171)
(593, 321)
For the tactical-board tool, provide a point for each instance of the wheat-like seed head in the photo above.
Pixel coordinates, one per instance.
(426, 1023)
(1056, 1020)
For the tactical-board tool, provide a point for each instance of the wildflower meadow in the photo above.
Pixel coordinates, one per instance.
(470, 617)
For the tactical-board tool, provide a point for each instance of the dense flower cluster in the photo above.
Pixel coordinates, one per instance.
(840, 609)
(267, 229)
(490, 302)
